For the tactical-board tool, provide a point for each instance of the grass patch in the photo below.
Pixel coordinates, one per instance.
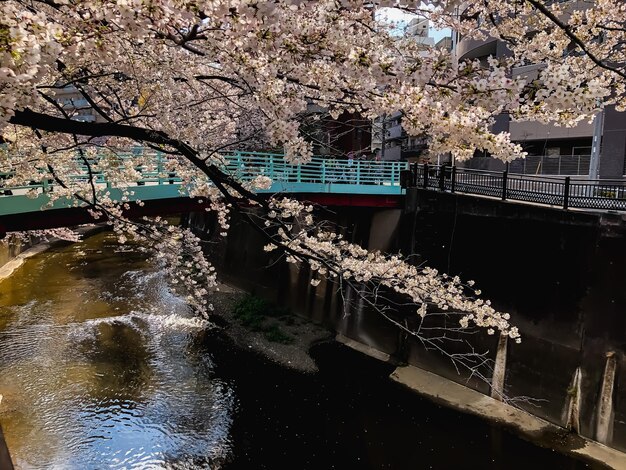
(254, 313)
(250, 311)
(274, 334)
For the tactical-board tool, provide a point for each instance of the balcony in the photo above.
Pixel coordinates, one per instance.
(530, 130)
(468, 48)
(571, 165)
(395, 132)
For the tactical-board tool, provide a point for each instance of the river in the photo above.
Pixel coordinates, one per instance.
(102, 366)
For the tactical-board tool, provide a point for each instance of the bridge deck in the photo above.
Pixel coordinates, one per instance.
(320, 176)
(559, 191)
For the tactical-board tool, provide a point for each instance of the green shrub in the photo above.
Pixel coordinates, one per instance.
(252, 312)
(250, 306)
(274, 334)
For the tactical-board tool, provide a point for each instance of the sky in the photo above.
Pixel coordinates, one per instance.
(393, 15)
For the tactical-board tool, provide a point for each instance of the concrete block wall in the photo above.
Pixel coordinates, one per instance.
(561, 275)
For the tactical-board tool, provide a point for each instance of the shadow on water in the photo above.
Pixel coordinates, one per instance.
(351, 416)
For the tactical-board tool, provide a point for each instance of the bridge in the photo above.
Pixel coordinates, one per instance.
(334, 182)
(565, 192)
(322, 180)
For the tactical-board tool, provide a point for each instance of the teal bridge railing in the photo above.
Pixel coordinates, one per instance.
(320, 175)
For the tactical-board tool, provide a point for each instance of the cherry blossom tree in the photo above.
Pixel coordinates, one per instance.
(195, 79)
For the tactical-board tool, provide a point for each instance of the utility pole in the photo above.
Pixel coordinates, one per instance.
(596, 145)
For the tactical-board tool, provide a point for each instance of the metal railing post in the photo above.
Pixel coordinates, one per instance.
(271, 168)
(505, 177)
(414, 175)
(324, 171)
(442, 177)
(566, 193)
(239, 171)
(453, 179)
(358, 172)
(426, 175)
(159, 168)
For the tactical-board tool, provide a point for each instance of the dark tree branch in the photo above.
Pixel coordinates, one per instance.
(44, 122)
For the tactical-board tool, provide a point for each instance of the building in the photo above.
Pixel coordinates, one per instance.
(419, 30)
(552, 150)
(349, 133)
(444, 43)
(389, 141)
(76, 106)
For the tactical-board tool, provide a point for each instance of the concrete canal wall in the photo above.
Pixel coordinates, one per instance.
(561, 275)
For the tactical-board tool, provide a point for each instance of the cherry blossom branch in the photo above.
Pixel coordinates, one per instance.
(539, 6)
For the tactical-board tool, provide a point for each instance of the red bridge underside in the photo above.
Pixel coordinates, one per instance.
(55, 218)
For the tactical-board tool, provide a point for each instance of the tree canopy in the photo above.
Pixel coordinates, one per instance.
(200, 78)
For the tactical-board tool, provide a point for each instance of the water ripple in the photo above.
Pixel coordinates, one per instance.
(108, 372)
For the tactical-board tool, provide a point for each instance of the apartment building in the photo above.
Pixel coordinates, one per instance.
(76, 106)
(389, 141)
(588, 150)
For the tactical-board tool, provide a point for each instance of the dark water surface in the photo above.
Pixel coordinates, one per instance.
(102, 366)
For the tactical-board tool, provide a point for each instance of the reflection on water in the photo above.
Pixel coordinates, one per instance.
(99, 365)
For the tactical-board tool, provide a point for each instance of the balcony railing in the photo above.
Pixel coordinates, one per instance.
(572, 165)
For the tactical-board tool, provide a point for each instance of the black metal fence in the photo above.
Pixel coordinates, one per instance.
(565, 192)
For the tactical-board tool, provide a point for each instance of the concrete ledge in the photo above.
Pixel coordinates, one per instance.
(9, 268)
(363, 348)
(530, 427)
(467, 400)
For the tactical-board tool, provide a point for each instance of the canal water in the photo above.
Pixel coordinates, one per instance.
(102, 366)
